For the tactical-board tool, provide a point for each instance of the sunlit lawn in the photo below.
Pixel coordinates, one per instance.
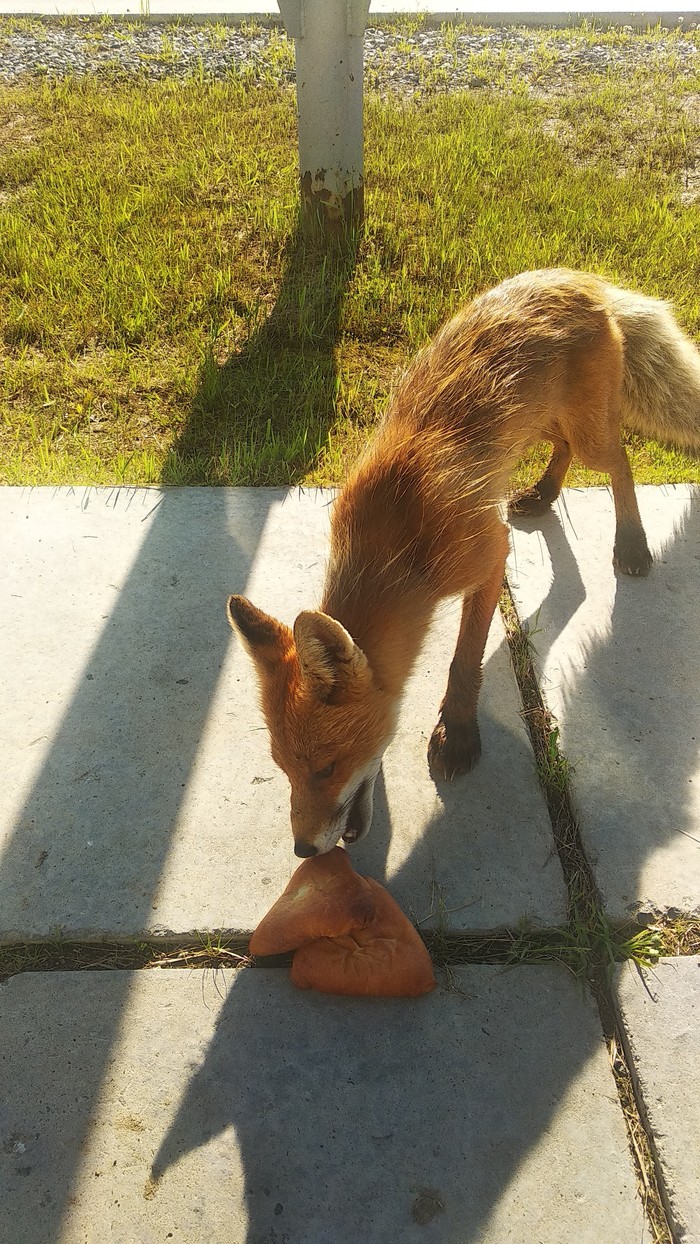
(160, 320)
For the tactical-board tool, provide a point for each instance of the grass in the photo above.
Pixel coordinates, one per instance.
(162, 321)
(573, 948)
(64, 955)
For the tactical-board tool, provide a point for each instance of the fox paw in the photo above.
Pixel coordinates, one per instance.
(631, 553)
(528, 503)
(453, 750)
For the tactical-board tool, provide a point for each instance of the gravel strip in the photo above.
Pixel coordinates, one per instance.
(427, 61)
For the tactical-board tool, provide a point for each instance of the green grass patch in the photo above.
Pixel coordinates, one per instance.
(162, 321)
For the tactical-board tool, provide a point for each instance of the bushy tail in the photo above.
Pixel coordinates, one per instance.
(661, 392)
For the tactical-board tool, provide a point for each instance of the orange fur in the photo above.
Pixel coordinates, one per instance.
(550, 355)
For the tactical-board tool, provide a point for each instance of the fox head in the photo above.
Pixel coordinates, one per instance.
(328, 720)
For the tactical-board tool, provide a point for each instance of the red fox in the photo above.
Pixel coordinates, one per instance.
(552, 355)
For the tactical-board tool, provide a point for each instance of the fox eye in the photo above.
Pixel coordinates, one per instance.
(326, 772)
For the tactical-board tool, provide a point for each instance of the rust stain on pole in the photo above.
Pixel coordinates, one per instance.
(330, 211)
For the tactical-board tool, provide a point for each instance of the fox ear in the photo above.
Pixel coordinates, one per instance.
(266, 639)
(330, 659)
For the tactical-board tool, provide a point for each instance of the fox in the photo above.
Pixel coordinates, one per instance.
(552, 355)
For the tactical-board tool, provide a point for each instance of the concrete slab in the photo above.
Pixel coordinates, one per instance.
(139, 792)
(660, 1017)
(619, 659)
(164, 1105)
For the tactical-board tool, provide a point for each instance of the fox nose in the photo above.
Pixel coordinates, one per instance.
(304, 849)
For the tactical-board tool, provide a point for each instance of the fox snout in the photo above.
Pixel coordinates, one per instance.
(304, 849)
(350, 820)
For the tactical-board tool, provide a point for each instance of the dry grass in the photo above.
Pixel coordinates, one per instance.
(678, 935)
(640, 1146)
(208, 951)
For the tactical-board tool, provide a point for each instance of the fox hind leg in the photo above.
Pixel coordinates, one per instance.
(631, 552)
(455, 745)
(537, 499)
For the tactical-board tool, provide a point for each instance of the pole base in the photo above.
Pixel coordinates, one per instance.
(326, 213)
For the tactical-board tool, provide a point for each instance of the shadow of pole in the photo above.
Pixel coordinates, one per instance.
(139, 707)
(263, 415)
(343, 1119)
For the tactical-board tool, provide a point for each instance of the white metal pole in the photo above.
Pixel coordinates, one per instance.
(328, 42)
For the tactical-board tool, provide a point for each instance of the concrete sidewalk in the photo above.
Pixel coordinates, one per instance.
(139, 795)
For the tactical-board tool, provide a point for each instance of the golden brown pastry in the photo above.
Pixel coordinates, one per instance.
(386, 958)
(325, 898)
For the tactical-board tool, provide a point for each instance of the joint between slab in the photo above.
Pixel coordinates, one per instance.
(551, 765)
(587, 913)
(652, 1186)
